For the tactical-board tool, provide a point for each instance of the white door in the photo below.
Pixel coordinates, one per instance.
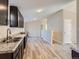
(67, 30)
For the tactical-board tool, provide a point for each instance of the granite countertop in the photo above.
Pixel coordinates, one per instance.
(10, 47)
(75, 47)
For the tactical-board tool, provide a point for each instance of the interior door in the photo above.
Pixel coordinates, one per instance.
(67, 30)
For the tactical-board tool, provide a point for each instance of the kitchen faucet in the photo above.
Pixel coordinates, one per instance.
(8, 32)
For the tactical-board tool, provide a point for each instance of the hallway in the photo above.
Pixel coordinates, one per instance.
(38, 49)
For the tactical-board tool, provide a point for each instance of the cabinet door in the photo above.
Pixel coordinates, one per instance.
(20, 20)
(13, 16)
(17, 57)
(3, 12)
(75, 55)
(20, 55)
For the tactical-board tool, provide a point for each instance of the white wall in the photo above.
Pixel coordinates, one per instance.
(3, 31)
(33, 28)
(55, 24)
(69, 13)
(45, 35)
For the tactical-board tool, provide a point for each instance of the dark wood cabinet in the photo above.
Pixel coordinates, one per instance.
(17, 54)
(75, 55)
(13, 16)
(25, 41)
(20, 20)
(16, 18)
(3, 12)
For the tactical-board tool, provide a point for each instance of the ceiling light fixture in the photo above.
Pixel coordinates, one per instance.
(39, 10)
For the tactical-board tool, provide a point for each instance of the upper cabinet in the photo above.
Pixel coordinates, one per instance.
(16, 18)
(20, 20)
(13, 16)
(3, 12)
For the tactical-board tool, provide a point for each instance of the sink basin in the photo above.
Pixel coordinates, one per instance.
(15, 39)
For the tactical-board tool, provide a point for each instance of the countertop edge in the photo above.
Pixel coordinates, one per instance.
(17, 44)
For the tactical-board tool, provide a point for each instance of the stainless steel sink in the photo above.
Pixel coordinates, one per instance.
(15, 39)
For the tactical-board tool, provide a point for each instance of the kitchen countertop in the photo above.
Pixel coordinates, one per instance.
(75, 47)
(10, 47)
(65, 50)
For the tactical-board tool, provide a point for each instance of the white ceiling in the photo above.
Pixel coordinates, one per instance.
(71, 7)
(28, 7)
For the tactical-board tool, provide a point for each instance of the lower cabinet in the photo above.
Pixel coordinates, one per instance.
(17, 57)
(25, 41)
(75, 55)
(17, 54)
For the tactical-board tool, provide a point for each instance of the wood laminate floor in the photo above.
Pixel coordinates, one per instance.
(38, 49)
